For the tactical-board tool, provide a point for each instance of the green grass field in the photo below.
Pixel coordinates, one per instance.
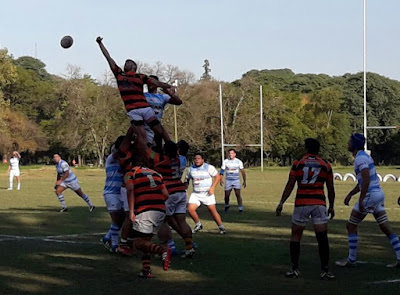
(43, 251)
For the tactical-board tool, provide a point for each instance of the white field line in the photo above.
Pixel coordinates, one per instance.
(386, 282)
(52, 239)
(292, 204)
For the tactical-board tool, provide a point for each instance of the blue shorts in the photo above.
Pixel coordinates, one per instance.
(232, 184)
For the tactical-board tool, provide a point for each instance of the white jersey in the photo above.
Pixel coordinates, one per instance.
(63, 167)
(113, 176)
(361, 162)
(232, 168)
(202, 177)
(157, 102)
(14, 163)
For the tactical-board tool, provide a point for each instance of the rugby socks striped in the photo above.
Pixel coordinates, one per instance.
(146, 263)
(394, 240)
(87, 200)
(323, 248)
(113, 235)
(150, 247)
(62, 201)
(295, 254)
(188, 243)
(353, 245)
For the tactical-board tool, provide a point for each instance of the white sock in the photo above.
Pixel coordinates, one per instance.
(62, 201)
(19, 186)
(353, 244)
(87, 200)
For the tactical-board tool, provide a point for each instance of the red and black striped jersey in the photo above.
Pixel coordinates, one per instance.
(169, 168)
(130, 86)
(311, 173)
(147, 189)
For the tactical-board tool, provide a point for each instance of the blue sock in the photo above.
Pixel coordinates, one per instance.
(171, 244)
(394, 240)
(87, 200)
(353, 244)
(114, 235)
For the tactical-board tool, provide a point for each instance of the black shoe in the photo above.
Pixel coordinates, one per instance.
(65, 209)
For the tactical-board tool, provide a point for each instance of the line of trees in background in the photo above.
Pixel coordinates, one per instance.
(79, 117)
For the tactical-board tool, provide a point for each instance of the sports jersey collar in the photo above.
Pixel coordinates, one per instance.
(311, 155)
(361, 153)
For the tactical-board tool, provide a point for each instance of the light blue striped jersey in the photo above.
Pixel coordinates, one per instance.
(63, 167)
(202, 177)
(157, 101)
(113, 176)
(361, 162)
(232, 168)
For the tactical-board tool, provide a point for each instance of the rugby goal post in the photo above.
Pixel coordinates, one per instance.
(223, 144)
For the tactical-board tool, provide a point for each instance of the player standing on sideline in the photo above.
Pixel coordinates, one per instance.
(371, 200)
(13, 171)
(130, 85)
(310, 173)
(233, 165)
(114, 197)
(146, 197)
(67, 179)
(202, 175)
(157, 102)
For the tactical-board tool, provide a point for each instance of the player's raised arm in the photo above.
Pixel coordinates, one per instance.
(111, 62)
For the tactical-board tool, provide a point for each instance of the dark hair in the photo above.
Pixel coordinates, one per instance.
(231, 150)
(312, 145)
(171, 149)
(154, 77)
(183, 147)
(199, 154)
(117, 143)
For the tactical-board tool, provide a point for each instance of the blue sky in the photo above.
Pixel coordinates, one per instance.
(307, 36)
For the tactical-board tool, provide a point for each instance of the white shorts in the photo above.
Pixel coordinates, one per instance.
(14, 173)
(176, 203)
(232, 184)
(149, 222)
(116, 202)
(374, 202)
(301, 214)
(143, 114)
(72, 185)
(202, 198)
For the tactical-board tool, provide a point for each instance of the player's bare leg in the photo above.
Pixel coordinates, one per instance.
(59, 193)
(238, 193)
(192, 212)
(80, 193)
(297, 233)
(227, 197)
(217, 218)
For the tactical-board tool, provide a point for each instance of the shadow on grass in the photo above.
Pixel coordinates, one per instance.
(251, 258)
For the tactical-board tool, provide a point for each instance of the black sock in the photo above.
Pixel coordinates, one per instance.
(323, 247)
(295, 254)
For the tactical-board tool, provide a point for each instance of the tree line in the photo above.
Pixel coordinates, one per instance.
(79, 117)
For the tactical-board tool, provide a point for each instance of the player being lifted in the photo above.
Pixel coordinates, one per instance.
(130, 85)
(371, 200)
(157, 102)
(310, 173)
(232, 166)
(67, 179)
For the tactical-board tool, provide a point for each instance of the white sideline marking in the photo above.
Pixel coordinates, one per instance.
(53, 239)
(291, 204)
(386, 282)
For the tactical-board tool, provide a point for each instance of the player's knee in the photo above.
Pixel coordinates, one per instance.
(152, 124)
(322, 237)
(137, 123)
(353, 221)
(382, 219)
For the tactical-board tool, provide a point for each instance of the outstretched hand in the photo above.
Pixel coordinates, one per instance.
(99, 39)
